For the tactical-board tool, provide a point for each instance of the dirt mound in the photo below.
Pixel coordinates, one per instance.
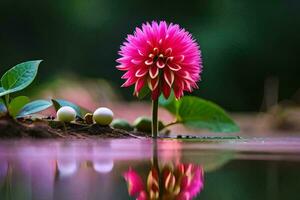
(48, 128)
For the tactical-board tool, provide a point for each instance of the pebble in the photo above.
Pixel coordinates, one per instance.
(103, 116)
(66, 114)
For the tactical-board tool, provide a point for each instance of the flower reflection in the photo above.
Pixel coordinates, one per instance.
(182, 182)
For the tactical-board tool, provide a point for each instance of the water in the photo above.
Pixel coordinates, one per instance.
(257, 168)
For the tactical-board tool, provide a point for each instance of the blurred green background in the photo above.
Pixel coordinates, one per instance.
(244, 42)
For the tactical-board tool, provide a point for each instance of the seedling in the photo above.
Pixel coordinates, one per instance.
(14, 80)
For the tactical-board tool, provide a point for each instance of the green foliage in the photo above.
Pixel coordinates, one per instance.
(121, 124)
(198, 113)
(17, 104)
(16, 79)
(171, 104)
(143, 124)
(144, 92)
(19, 77)
(34, 107)
(58, 103)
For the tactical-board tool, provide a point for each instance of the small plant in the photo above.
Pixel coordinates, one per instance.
(14, 80)
(164, 60)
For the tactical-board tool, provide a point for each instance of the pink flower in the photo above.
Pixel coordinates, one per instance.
(192, 180)
(183, 183)
(163, 57)
(134, 182)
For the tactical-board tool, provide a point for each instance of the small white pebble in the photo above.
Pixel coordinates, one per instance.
(66, 114)
(103, 116)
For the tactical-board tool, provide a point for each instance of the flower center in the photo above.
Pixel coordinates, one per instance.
(158, 58)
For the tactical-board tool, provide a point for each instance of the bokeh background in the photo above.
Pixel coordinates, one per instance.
(248, 46)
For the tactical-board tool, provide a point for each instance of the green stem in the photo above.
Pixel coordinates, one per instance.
(171, 124)
(6, 99)
(155, 163)
(154, 126)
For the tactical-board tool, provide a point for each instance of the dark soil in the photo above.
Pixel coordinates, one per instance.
(48, 128)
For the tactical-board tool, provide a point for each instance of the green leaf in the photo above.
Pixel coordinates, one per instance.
(171, 104)
(19, 77)
(195, 112)
(58, 103)
(34, 107)
(17, 104)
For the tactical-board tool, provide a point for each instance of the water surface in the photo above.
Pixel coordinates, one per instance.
(257, 168)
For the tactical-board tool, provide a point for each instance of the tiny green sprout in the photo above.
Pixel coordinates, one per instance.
(121, 124)
(103, 116)
(143, 124)
(66, 114)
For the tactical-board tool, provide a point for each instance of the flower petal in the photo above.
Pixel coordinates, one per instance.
(160, 42)
(174, 67)
(160, 63)
(170, 182)
(188, 86)
(166, 89)
(134, 182)
(153, 83)
(184, 196)
(168, 52)
(155, 94)
(178, 89)
(169, 77)
(152, 181)
(122, 67)
(140, 52)
(141, 72)
(126, 75)
(142, 196)
(139, 85)
(188, 76)
(136, 62)
(129, 82)
(153, 72)
(148, 62)
(181, 58)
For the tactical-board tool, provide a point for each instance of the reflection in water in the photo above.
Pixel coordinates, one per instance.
(181, 182)
(58, 170)
(66, 167)
(166, 181)
(3, 168)
(109, 169)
